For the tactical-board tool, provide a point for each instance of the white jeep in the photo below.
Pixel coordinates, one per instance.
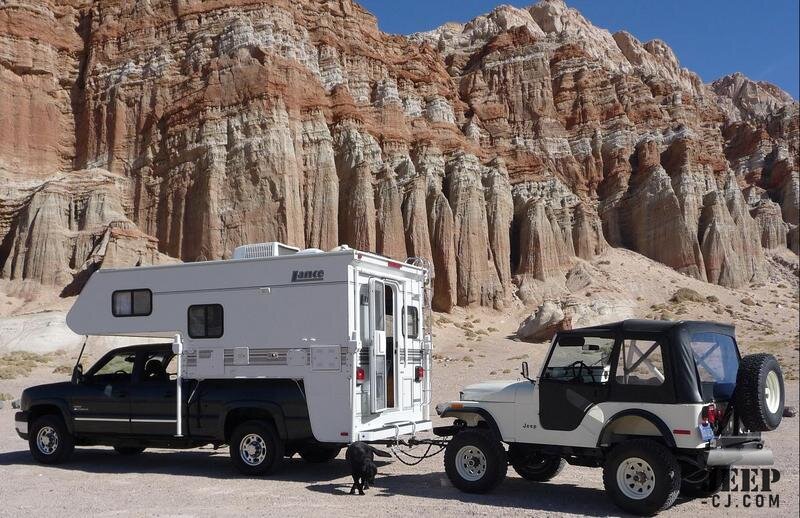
(663, 407)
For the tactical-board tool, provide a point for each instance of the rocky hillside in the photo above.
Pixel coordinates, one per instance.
(501, 149)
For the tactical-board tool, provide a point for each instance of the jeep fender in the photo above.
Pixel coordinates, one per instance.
(649, 417)
(273, 410)
(477, 414)
(60, 404)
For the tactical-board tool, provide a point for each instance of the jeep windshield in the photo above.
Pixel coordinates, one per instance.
(717, 359)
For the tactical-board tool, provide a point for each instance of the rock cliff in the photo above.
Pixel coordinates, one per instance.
(500, 148)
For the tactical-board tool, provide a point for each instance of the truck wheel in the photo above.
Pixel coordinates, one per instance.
(532, 465)
(759, 392)
(49, 440)
(475, 461)
(642, 477)
(318, 453)
(129, 450)
(707, 485)
(256, 448)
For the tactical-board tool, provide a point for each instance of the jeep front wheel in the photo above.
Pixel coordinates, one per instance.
(642, 477)
(255, 448)
(475, 461)
(49, 440)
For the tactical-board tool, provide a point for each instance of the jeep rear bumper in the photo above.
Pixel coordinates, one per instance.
(21, 424)
(750, 454)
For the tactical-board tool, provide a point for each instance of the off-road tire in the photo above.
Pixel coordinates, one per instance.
(129, 450)
(532, 465)
(665, 468)
(267, 439)
(318, 453)
(490, 447)
(708, 486)
(57, 431)
(751, 400)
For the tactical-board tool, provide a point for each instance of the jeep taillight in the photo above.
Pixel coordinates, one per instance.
(360, 375)
(709, 414)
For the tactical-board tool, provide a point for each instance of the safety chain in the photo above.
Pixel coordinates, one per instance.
(424, 456)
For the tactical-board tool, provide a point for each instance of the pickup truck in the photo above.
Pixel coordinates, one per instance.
(127, 400)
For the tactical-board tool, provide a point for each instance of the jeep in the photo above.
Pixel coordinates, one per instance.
(664, 408)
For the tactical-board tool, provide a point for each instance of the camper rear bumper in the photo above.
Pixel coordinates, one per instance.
(390, 431)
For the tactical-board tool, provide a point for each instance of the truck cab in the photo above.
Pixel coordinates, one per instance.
(644, 400)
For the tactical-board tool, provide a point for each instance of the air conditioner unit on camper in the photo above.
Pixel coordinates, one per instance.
(258, 250)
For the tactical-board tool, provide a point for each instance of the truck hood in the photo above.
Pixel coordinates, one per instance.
(493, 391)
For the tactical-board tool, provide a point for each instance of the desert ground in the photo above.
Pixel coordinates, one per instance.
(470, 346)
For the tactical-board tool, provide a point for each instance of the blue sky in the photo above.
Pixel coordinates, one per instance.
(759, 38)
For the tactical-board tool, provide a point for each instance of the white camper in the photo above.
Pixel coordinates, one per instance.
(349, 327)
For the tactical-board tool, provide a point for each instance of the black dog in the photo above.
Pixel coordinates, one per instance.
(361, 457)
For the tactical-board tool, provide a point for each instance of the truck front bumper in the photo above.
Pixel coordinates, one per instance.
(21, 424)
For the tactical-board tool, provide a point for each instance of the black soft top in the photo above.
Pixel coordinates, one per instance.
(676, 337)
(658, 326)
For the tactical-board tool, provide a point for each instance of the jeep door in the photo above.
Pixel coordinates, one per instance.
(101, 402)
(575, 377)
(153, 403)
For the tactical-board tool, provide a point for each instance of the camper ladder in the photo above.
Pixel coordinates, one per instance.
(427, 321)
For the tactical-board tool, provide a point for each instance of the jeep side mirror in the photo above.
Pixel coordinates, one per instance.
(525, 373)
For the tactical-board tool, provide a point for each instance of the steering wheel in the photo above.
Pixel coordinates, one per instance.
(577, 374)
(120, 372)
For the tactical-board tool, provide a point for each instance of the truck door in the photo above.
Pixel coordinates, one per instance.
(101, 402)
(377, 353)
(152, 394)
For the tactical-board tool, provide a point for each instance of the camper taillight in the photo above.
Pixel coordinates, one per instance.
(419, 373)
(360, 375)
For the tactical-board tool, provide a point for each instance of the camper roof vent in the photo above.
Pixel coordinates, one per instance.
(258, 250)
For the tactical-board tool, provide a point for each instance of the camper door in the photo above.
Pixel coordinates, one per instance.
(377, 353)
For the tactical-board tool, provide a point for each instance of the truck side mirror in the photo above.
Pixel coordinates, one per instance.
(77, 374)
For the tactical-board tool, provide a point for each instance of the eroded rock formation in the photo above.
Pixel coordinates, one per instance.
(499, 149)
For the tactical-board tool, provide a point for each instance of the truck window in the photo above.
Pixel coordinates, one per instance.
(580, 358)
(412, 322)
(205, 321)
(118, 367)
(131, 303)
(640, 362)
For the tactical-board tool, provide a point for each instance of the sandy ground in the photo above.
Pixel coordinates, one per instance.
(203, 481)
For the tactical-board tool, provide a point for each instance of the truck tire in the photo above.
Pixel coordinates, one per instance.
(642, 477)
(319, 453)
(49, 440)
(759, 392)
(706, 486)
(255, 448)
(475, 461)
(532, 465)
(129, 450)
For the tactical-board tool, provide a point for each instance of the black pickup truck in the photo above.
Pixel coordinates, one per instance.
(128, 400)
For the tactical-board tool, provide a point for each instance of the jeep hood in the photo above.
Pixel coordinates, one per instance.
(491, 391)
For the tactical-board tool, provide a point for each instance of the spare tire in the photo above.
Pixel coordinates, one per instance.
(759, 392)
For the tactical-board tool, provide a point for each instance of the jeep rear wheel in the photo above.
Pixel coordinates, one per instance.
(760, 392)
(49, 440)
(706, 483)
(532, 465)
(255, 448)
(475, 461)
(642, 477)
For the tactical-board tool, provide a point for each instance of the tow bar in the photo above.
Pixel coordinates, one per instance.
(411, 443)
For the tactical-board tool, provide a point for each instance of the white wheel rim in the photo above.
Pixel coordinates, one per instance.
(772, 392)
(635, 478)
(253, 449)
(47, 440)
(470, 463)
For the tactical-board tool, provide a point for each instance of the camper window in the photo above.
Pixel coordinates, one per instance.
(205, 321)
(131, 303)
(412, 322)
